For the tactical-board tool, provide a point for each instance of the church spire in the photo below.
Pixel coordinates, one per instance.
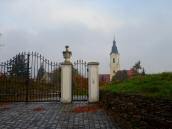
(114, 47)
(114, 38)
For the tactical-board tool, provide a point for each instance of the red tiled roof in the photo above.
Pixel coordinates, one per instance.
(104, 77)
(131, 72)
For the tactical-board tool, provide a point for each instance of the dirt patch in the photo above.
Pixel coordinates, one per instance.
(138, 112)
(88, 108)
(39, 109)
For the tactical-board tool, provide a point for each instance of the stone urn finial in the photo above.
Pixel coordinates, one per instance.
(67, 54)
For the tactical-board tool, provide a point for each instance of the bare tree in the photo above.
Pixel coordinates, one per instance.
(137, 66)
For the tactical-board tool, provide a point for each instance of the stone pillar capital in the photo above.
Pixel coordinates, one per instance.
(93, 63)
(67, 55)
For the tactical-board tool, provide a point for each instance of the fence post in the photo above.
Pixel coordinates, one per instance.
(27, 75)
(66, 83)
(93, 82)
(66, 77)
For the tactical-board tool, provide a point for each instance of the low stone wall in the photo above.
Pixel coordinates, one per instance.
(137, 112)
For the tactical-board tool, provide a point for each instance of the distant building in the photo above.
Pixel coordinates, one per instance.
(131, 73)
(104, 78)
(115, 67)
(46, 77)
(114, 60)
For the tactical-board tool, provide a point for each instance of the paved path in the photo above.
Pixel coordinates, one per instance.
(52, 116)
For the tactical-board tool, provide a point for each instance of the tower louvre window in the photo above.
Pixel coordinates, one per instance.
(113, 60)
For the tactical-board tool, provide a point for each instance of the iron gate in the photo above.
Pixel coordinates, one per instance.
(29, 77)
(79, 81)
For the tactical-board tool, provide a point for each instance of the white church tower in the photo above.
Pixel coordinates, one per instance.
(114, 60)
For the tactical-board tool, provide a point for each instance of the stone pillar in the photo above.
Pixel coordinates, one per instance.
(93, 82)
(66, 77)
(66, 83)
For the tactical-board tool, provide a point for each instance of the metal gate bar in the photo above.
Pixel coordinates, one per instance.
(29, 77)
(79, 81)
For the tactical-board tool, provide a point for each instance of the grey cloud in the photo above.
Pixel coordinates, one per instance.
(145, 37)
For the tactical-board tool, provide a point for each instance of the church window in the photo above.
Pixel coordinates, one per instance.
(113, 60)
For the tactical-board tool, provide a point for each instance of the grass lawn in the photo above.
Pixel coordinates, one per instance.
(155, 85)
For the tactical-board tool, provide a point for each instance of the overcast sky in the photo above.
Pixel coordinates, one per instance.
(142, 28)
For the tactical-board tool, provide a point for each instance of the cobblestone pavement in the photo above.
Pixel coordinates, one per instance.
(52, 116)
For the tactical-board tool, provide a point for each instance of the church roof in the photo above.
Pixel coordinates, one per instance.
(114, 48)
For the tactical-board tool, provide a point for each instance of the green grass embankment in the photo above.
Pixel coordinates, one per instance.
(155, 85)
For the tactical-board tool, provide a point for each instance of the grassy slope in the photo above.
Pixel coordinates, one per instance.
(156, 85)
